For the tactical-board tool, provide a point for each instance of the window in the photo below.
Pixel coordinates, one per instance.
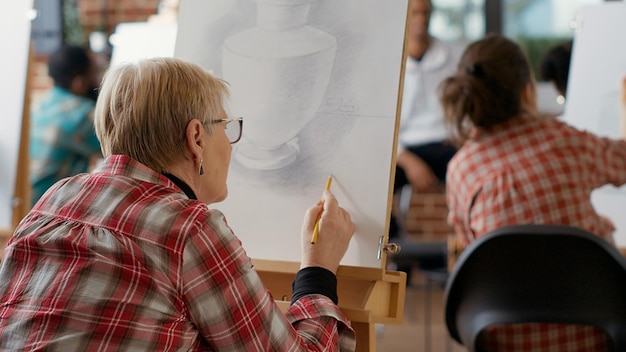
(458, 20)
(537, 25)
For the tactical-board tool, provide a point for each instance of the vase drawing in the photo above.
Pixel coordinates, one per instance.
(278, 73)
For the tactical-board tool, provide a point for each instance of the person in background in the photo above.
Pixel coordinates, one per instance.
(554, 66)
(62, 138)
(132, 257)
(515, 167)
(423, 147)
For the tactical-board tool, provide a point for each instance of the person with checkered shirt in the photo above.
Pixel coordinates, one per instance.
(516, 167)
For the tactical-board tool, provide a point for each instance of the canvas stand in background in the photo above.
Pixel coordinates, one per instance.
(595, 93)
(15, 25)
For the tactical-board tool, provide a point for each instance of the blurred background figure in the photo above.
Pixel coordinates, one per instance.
(554, 66)
(423, 149)
(62, 138)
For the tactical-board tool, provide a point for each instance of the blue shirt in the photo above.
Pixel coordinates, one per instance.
(62, 139)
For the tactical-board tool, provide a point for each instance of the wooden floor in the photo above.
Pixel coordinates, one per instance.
(415, 334)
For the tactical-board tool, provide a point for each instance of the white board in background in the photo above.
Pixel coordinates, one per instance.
(134, 41)
(597, 69)
(547, 99)
(15, 27)
(594, 92)
(351, 131)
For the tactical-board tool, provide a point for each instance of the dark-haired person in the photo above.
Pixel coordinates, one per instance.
(554, 66)
(423, 147)
(62, 138)
(515, 167)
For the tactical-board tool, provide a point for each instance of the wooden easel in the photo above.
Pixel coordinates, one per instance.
(367, 296)
(21, 199)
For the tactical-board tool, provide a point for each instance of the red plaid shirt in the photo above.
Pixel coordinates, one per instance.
(122, 259)
(533, 171)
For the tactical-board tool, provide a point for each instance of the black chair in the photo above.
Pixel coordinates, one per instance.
(537, 273)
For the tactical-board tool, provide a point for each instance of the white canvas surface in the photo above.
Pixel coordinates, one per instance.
(593, 97)
(597, 69)
(15, 38)
(342, 98)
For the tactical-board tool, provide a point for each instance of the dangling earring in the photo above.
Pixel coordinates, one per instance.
(201, 172)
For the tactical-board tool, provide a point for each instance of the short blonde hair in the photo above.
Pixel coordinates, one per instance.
(144, 108)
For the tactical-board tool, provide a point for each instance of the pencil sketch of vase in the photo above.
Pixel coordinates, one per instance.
(278, 73)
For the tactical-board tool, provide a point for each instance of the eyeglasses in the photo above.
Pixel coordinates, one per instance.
(233, 130)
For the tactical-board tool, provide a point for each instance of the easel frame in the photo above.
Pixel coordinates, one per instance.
(367, 296)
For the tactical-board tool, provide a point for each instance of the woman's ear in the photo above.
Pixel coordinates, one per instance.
(194, 138)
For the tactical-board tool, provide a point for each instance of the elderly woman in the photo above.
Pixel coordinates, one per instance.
(129, 257)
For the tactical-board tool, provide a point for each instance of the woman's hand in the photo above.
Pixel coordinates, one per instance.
(335, 232)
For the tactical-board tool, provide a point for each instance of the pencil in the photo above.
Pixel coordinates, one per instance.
(316, 229)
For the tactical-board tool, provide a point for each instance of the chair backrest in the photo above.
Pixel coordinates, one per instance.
(537, 273)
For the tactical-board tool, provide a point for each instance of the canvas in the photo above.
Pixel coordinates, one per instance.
(317, 83)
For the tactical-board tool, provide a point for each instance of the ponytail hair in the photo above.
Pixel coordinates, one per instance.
(487, 87)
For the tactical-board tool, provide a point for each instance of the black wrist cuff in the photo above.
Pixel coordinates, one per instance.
(314, 280)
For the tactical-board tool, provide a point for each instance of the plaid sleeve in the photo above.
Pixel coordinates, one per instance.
(608, 159)
(232, 309)
(313, 314)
